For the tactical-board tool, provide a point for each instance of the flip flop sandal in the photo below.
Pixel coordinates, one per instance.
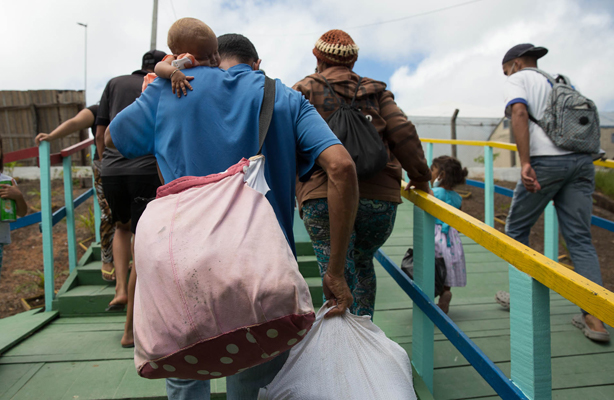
(108, 273)
(579, 322)
(128, 346)
(115, 307)
(503, 298)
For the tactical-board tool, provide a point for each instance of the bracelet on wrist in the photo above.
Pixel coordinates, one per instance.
(173, 73)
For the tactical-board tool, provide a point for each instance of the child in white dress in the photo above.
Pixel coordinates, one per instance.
(447, 174)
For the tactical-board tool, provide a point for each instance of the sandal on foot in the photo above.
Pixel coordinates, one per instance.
(579, 322)
(444, 301)
(109, 274)
(128, 346)
(115, 307)
(503, 298)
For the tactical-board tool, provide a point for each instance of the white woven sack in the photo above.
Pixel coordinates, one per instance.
(341, 358)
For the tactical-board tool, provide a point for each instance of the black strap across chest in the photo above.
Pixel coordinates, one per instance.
(335, 93)
(266, 111)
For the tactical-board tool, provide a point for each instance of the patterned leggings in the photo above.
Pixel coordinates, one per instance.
(107, 227)
(373, 226)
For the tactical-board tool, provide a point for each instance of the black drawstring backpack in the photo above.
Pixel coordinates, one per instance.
(407, 265)
(358, 135)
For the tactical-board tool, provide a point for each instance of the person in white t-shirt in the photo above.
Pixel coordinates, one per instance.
(9, 192)
(548, 173)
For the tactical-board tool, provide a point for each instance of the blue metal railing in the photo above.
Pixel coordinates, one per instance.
(58, 215)
(474, 355)
(529, 330)
(46, 218)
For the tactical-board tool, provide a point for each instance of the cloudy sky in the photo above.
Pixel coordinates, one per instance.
(434, 55)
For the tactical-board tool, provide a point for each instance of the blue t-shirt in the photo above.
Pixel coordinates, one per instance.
(450, 197)
(216, 125)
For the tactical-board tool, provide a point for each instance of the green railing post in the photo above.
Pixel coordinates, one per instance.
(551, 233)
(424, 276)
(97, 212)
(429, 153)
(489, 188)
(530, 335)
(70, 213)
(44, 154)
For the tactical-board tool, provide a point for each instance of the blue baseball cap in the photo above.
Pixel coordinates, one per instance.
(524, 49)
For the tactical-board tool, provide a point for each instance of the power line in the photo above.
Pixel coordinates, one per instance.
(414, 15)
(173, 7)
(376, 23)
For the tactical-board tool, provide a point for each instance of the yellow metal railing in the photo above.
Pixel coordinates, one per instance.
(531, 276)
(481, 143)
(595, 299)
(499, 145)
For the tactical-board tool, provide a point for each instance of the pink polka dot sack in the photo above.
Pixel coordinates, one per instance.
(218, 288)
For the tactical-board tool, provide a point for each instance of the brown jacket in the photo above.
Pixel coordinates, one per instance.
(399, 134)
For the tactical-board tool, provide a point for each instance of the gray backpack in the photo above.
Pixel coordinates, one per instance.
(570, 120)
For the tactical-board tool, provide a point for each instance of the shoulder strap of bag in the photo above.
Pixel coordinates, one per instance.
(550, 79)
(356, 92)
(331, 89)
(266, 112)
(544, 73)
(532, 118)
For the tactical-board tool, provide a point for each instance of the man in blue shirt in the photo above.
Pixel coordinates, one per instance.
(213, 128)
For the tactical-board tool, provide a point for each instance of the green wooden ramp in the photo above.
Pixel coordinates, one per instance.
(77, 355)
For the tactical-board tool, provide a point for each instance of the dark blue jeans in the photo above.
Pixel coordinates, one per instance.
(569, 180)
(242, 386)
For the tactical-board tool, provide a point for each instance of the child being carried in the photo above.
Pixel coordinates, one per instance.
(192, 45)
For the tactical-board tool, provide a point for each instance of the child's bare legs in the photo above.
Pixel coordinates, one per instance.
(121, 258)
(444, 299)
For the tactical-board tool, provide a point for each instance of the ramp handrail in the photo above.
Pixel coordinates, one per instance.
(551, 237)
(531, 276)
(497, 145)
(593, 298)
(48, 218)
(529, 271)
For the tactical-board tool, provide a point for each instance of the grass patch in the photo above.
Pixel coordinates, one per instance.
(604, 181)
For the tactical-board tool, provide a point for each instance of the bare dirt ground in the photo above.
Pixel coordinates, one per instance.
(603, 240)
(25, 253)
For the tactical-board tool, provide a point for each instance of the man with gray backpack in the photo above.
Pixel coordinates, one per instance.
(557, 131)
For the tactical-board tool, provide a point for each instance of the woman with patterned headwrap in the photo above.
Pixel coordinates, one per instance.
(336, 54)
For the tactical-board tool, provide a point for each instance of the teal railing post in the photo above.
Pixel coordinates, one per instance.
(429, 153)
(97, 212)
(70, 213)
(530, 335)
(424, 276)
(551, 233)
(44, 154)
(489, 188)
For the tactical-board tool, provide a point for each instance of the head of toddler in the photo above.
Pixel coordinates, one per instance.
(190, 35)
(447, 172)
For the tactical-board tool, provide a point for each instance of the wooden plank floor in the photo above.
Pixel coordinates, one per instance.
(80, 358)
(581, 368)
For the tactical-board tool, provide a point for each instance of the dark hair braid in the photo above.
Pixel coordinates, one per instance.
(454, 173)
